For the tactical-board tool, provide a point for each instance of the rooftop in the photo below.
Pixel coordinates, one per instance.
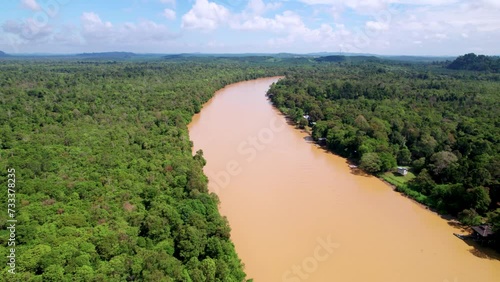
(483, 230)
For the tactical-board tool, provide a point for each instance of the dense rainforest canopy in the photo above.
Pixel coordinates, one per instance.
(475, 62)
(444, 125)
(107, 186)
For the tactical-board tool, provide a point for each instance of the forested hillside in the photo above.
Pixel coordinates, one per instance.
(475, 62)
(107, 188)
(443, 124)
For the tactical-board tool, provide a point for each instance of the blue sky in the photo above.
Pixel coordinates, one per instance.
(391, 27)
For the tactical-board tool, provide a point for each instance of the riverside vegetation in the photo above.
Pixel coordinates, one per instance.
(108, 188)
(443, 123)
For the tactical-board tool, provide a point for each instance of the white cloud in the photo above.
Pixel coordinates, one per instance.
(375, 6)
(96, 30)
(94, 27)
(445, 27)
(28, 30)
(259, 7)
(169, 14)
(376, 26)
(467, 17)
(294, 32)
(379, 3)
(205, 15)
(287, 21)
(365, 6)
(336, 12)
(31, 4)
(491, 3)
(146, 31)
(372, 26)
(437, 36)
(256, 23)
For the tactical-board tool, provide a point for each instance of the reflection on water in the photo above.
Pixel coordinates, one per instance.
(298, 213)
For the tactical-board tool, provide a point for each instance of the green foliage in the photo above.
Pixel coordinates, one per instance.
(475, 62)
(110, 191)
(494, 219)
(396, 178)
(441, 161)
(302, 122)
(417, 196)
(423, 182)
(444, 123)
(404, 156)
(108, 188)
(469, 217)
(479, 199)
(371, 162)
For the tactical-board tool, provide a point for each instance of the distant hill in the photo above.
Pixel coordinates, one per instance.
(419, 59)
(3, 54)
(475, 62)
(108, 55)
(319, 57)
(326, 54)
(341, 58)
(185, 55)
(335, 59)
(232, 55)
(247, 58)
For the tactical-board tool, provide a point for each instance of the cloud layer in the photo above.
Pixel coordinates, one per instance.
(433, 27)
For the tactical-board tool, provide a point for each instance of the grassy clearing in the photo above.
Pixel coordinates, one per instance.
(396, 179)
(400, 182)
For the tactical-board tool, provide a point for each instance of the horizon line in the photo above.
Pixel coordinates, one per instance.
(234, 53)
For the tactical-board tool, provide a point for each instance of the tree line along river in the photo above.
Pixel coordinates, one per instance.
(298, 213)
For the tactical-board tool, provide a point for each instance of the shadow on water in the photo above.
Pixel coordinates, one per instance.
(355, 170)
(309, 139)
(477, 249)
(290, 121)
(360, 172)
(482, 251)
(452, 222)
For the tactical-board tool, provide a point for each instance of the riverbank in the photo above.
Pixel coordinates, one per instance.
(284, 198)
(397, 186)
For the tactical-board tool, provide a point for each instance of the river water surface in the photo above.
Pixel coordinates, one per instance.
(298, 213)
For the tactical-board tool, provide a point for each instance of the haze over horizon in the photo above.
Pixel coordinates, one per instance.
(384, 27)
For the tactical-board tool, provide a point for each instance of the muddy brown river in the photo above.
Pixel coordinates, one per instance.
(298, 213)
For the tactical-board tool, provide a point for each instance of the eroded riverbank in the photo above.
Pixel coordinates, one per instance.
(298, 213)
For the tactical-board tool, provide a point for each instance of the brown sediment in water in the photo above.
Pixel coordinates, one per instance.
(299, 213)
